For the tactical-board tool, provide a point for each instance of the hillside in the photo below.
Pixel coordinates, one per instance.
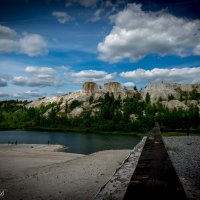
(170, 95)
(112, 108)
(88, 97)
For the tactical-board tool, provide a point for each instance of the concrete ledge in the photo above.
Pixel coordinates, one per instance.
(116, 186)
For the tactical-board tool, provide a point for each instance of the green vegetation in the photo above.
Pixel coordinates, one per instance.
(110, 115)
(193, 95)
(74, 104)
(171, 97)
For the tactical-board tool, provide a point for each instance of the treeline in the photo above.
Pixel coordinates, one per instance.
(104, 114)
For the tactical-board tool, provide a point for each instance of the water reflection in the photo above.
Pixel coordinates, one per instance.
(77, 142)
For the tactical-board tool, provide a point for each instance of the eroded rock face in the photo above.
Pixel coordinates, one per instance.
(76, 112)
(163, 90)
(112, 87)
(90, 88)
(157, 92)
(174, 104)
(188, 87)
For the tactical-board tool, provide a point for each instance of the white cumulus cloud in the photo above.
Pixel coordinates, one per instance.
(38, 77)
(137, 33)
(92, 75)
(33, 45)
(8, 45)
(6, 32)
(26, 43)
(178, 75)
(62, 17)
(129, 84)
(40, 72)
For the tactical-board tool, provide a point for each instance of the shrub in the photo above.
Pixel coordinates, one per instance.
(74, 104)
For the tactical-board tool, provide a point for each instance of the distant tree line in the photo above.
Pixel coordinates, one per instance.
(104, 114)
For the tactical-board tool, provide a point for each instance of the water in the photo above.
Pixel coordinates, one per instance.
(76, 142)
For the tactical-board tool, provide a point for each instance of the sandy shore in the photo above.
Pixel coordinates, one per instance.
(39, 172)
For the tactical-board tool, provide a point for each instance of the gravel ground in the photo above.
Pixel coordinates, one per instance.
(185, 156)
(184, 152)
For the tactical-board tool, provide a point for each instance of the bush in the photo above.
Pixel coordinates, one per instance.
(74, 104)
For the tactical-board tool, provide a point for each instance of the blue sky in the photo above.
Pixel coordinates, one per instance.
(51, 47)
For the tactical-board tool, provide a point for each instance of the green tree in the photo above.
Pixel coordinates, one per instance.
(171, 97)
(91, 99)
(135, 88)
(148, 98)
(66, 108)
(74, 104)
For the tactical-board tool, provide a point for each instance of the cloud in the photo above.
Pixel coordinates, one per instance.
(39, 77)
(40, 72)
(97, 15)
(8, 46)
(3, 82)
(33, 45)
(4, 95)
(197, 50)
(27, 43)
(129, 84)
(6, 32)
(85, 3)
(137, 33)
(29, 94)
(62, 17)
(178, 75)
(26, 95)
(92, 75)
(109, 4)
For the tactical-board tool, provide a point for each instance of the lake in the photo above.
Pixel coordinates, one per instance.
(76, 142)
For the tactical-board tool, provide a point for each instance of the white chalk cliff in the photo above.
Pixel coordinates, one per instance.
(158, 92)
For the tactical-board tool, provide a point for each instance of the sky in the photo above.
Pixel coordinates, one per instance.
(51, 47)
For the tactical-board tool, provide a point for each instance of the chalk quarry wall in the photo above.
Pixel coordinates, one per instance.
(162, 90)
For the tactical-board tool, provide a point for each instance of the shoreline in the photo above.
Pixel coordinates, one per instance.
(42, 171)
(91, 131)
(41, 174)
(83, 131)
(33, 147)
(136, 134)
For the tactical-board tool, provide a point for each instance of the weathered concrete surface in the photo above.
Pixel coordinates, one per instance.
(154, 176)
(116, 186)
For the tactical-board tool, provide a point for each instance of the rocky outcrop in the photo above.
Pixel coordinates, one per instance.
(163, 90)
(75, 112)
(188, 87)
(174, 104)
(56, 99)
(90, 88)
(158, 92)
(112, 87)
